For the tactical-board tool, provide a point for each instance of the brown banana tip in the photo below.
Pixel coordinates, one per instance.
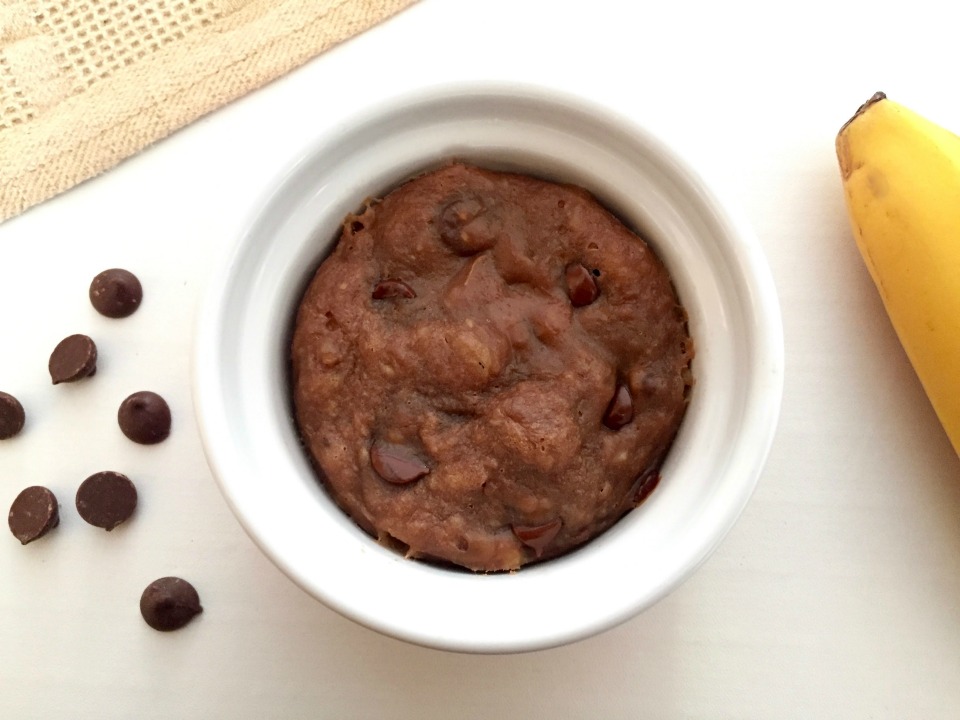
(875, 98)
(842, 145)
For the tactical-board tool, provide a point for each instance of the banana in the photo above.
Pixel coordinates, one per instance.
(901, 178)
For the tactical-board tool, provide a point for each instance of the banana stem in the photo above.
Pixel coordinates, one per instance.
(875, 98)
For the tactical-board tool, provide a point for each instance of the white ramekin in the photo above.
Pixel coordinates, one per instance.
(243, 402)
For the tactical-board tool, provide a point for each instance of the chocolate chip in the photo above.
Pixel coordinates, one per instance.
(12, 416)
(74, 358)
(645, 484)
(392, 288)
(581, 285)
(106, 499)
(169, 603)
(397, 464)
(33, 514)
(144, 417)
(468, 226)
(620, 410)
(538, 537)
(116, 293)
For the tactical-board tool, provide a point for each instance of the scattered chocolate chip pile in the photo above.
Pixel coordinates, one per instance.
(116, 293)
(74, 358)
(489, 368)
(105, 499)
(12, 416)
(144, 417)
(169, 603)
(34, 513)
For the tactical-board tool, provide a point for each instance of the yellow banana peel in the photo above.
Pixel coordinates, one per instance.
(901, 178)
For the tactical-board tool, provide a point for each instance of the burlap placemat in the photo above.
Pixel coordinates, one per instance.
(87, 83)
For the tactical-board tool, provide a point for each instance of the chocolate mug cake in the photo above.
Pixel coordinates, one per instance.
(489, 368)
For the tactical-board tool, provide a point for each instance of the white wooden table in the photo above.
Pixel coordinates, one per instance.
(836, 596)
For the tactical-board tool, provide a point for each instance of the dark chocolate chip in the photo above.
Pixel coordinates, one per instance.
(620, 410)
(392, 288)
(74, 358)
(33, 514)
(645, 484)
(116, 293)
(12, 416)
(106, 499)
(144, 417)
(581, 285)
(538, 537)
(169, 603)
(397, 464)
(467, 226)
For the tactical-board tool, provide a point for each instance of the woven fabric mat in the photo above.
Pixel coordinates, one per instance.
(87, 83)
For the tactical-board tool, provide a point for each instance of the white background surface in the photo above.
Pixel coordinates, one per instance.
(836, 596)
